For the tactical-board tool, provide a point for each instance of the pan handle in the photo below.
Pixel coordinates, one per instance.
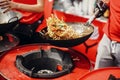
(92, 18)
(13, 19)
(41, 34)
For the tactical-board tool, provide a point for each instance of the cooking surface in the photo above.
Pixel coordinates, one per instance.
(82, 64)
(102, 74)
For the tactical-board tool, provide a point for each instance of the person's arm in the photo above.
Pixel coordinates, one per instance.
(7, 5)
(39, 7)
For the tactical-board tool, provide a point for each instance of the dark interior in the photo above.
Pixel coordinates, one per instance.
(45, 63)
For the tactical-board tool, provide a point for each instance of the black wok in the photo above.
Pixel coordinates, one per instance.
(70, 42)
(76, 41)
(7, 23)
(9, 41)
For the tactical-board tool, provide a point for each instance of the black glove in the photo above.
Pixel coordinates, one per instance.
(102, 8)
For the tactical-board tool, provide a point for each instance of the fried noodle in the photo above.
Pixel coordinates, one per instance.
(59, 30)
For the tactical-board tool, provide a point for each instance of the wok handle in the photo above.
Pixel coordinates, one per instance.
(13, 19)
(92, 18)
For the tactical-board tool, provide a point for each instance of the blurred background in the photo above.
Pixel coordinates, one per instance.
(78, 7)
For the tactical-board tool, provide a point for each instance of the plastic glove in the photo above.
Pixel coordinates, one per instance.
(102, 8)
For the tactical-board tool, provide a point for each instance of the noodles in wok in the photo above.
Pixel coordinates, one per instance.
(59, 30)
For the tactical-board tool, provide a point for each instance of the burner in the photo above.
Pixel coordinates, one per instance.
(43, 61)
(44, 71)
(50, 63)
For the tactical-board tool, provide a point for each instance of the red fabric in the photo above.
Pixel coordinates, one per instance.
(47, 12)
(41, 26)
(112, 28)
(26, 1)
(29, 17)
(48, 8)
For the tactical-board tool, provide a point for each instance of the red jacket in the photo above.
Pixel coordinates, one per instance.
(29, 17)
(112, 28)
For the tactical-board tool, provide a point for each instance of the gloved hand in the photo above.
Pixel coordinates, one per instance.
(102, 8)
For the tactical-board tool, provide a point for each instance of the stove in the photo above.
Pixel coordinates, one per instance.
(67, 63)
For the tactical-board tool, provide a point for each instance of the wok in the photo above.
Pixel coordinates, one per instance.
(8, 21)
(9, 41)
(75, 41)
(69, 42)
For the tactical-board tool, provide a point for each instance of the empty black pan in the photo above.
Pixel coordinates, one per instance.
(7, 23)
(9, 41)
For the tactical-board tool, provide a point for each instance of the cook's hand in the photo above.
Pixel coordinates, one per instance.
(102, 8)
(6, 5)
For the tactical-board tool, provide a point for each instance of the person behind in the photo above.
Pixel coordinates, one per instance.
(32, 16)
(109, 47)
